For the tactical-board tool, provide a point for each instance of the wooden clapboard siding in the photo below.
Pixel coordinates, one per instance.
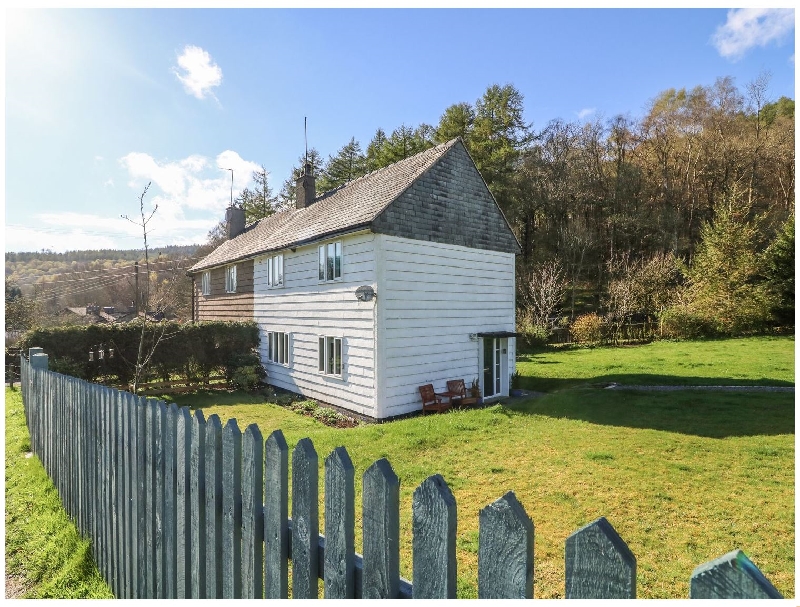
(219, 305)
(307, 308)
(432, 296)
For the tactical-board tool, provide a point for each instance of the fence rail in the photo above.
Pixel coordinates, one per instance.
(177, 506)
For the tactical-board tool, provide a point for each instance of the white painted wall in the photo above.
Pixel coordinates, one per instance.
(308, 308)
(431, 296)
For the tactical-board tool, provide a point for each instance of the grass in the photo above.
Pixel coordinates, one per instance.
(684, 477)
(745, 361)
(45, 556)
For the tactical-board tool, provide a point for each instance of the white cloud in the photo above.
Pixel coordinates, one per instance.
(750, 27)
(108, 183)
(585, 112)
(191, 193)
(199, 72)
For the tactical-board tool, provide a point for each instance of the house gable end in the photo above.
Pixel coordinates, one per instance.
(449, 204)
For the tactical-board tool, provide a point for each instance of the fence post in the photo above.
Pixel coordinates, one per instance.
(213, 507)
(231, 511)
(197, 497)
(505, 550)
(339, 569)
(276, 513)
(183, 551)
(305, 520)
(381, 520)
(599, 564)
(252, 513)
(434, 542)
(731, 576)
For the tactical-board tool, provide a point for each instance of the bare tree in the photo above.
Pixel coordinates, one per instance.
(162, 293)
(543, 290)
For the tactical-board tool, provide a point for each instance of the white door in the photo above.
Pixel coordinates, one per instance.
(494, 366)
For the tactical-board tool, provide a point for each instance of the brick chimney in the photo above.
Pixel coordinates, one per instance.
(234, 217)
(306, 188)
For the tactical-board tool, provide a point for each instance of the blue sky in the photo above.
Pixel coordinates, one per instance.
(101, 101)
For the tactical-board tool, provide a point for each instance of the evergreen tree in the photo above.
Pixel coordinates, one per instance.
(258, 202)
(780, 274)
(349, 163)
(499, 135)
(376, 151)
(457, 121)
(725, 281)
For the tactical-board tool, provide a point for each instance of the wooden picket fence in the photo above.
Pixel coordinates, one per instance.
(177, 506)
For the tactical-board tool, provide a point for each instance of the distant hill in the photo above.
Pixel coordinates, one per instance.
(72, 268)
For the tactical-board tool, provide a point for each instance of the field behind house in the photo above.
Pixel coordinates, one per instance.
(684, 477)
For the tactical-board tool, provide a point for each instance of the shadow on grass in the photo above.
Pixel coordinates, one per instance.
(552, 384)
(698, 413)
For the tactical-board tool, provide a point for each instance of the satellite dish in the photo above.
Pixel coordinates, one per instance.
(365, 293)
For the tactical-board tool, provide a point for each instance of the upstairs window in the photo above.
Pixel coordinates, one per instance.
(330, 355)
(205, 283)
(275, 271)
(278, 347)
(330, 261)
(230, 279)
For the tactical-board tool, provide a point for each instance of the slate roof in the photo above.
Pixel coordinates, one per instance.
(353, 205)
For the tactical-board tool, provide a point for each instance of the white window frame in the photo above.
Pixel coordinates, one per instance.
(275, 274)
(327, 347)
(230, 279)
(328, 270)
(279, 348)
(205, 283)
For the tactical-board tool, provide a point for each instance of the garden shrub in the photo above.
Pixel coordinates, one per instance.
(189, 351)
(587, 329)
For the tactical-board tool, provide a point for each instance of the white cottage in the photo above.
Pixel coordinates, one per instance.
(397, 279)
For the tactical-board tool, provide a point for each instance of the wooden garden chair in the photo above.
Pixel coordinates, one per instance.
(458, 393)
(432, 401)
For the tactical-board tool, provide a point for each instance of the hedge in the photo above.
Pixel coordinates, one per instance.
(190, 351)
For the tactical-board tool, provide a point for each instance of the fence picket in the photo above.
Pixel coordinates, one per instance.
(305, 521)
(599, 564)
(170, 485)
(231, 511)
(159, 568)
(119, 494)
(252, 513)
(339, 569)
(151, 410)
(434, 542)
(197, 499)
(731, 576)
(132, 514)
(381, 520)
(183, 455)
(213, 456)
(276, 514)
(142, 463)
(505, 550)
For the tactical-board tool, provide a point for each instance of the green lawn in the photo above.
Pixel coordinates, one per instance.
(45, 557)
(746, 361)
(683, 476)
